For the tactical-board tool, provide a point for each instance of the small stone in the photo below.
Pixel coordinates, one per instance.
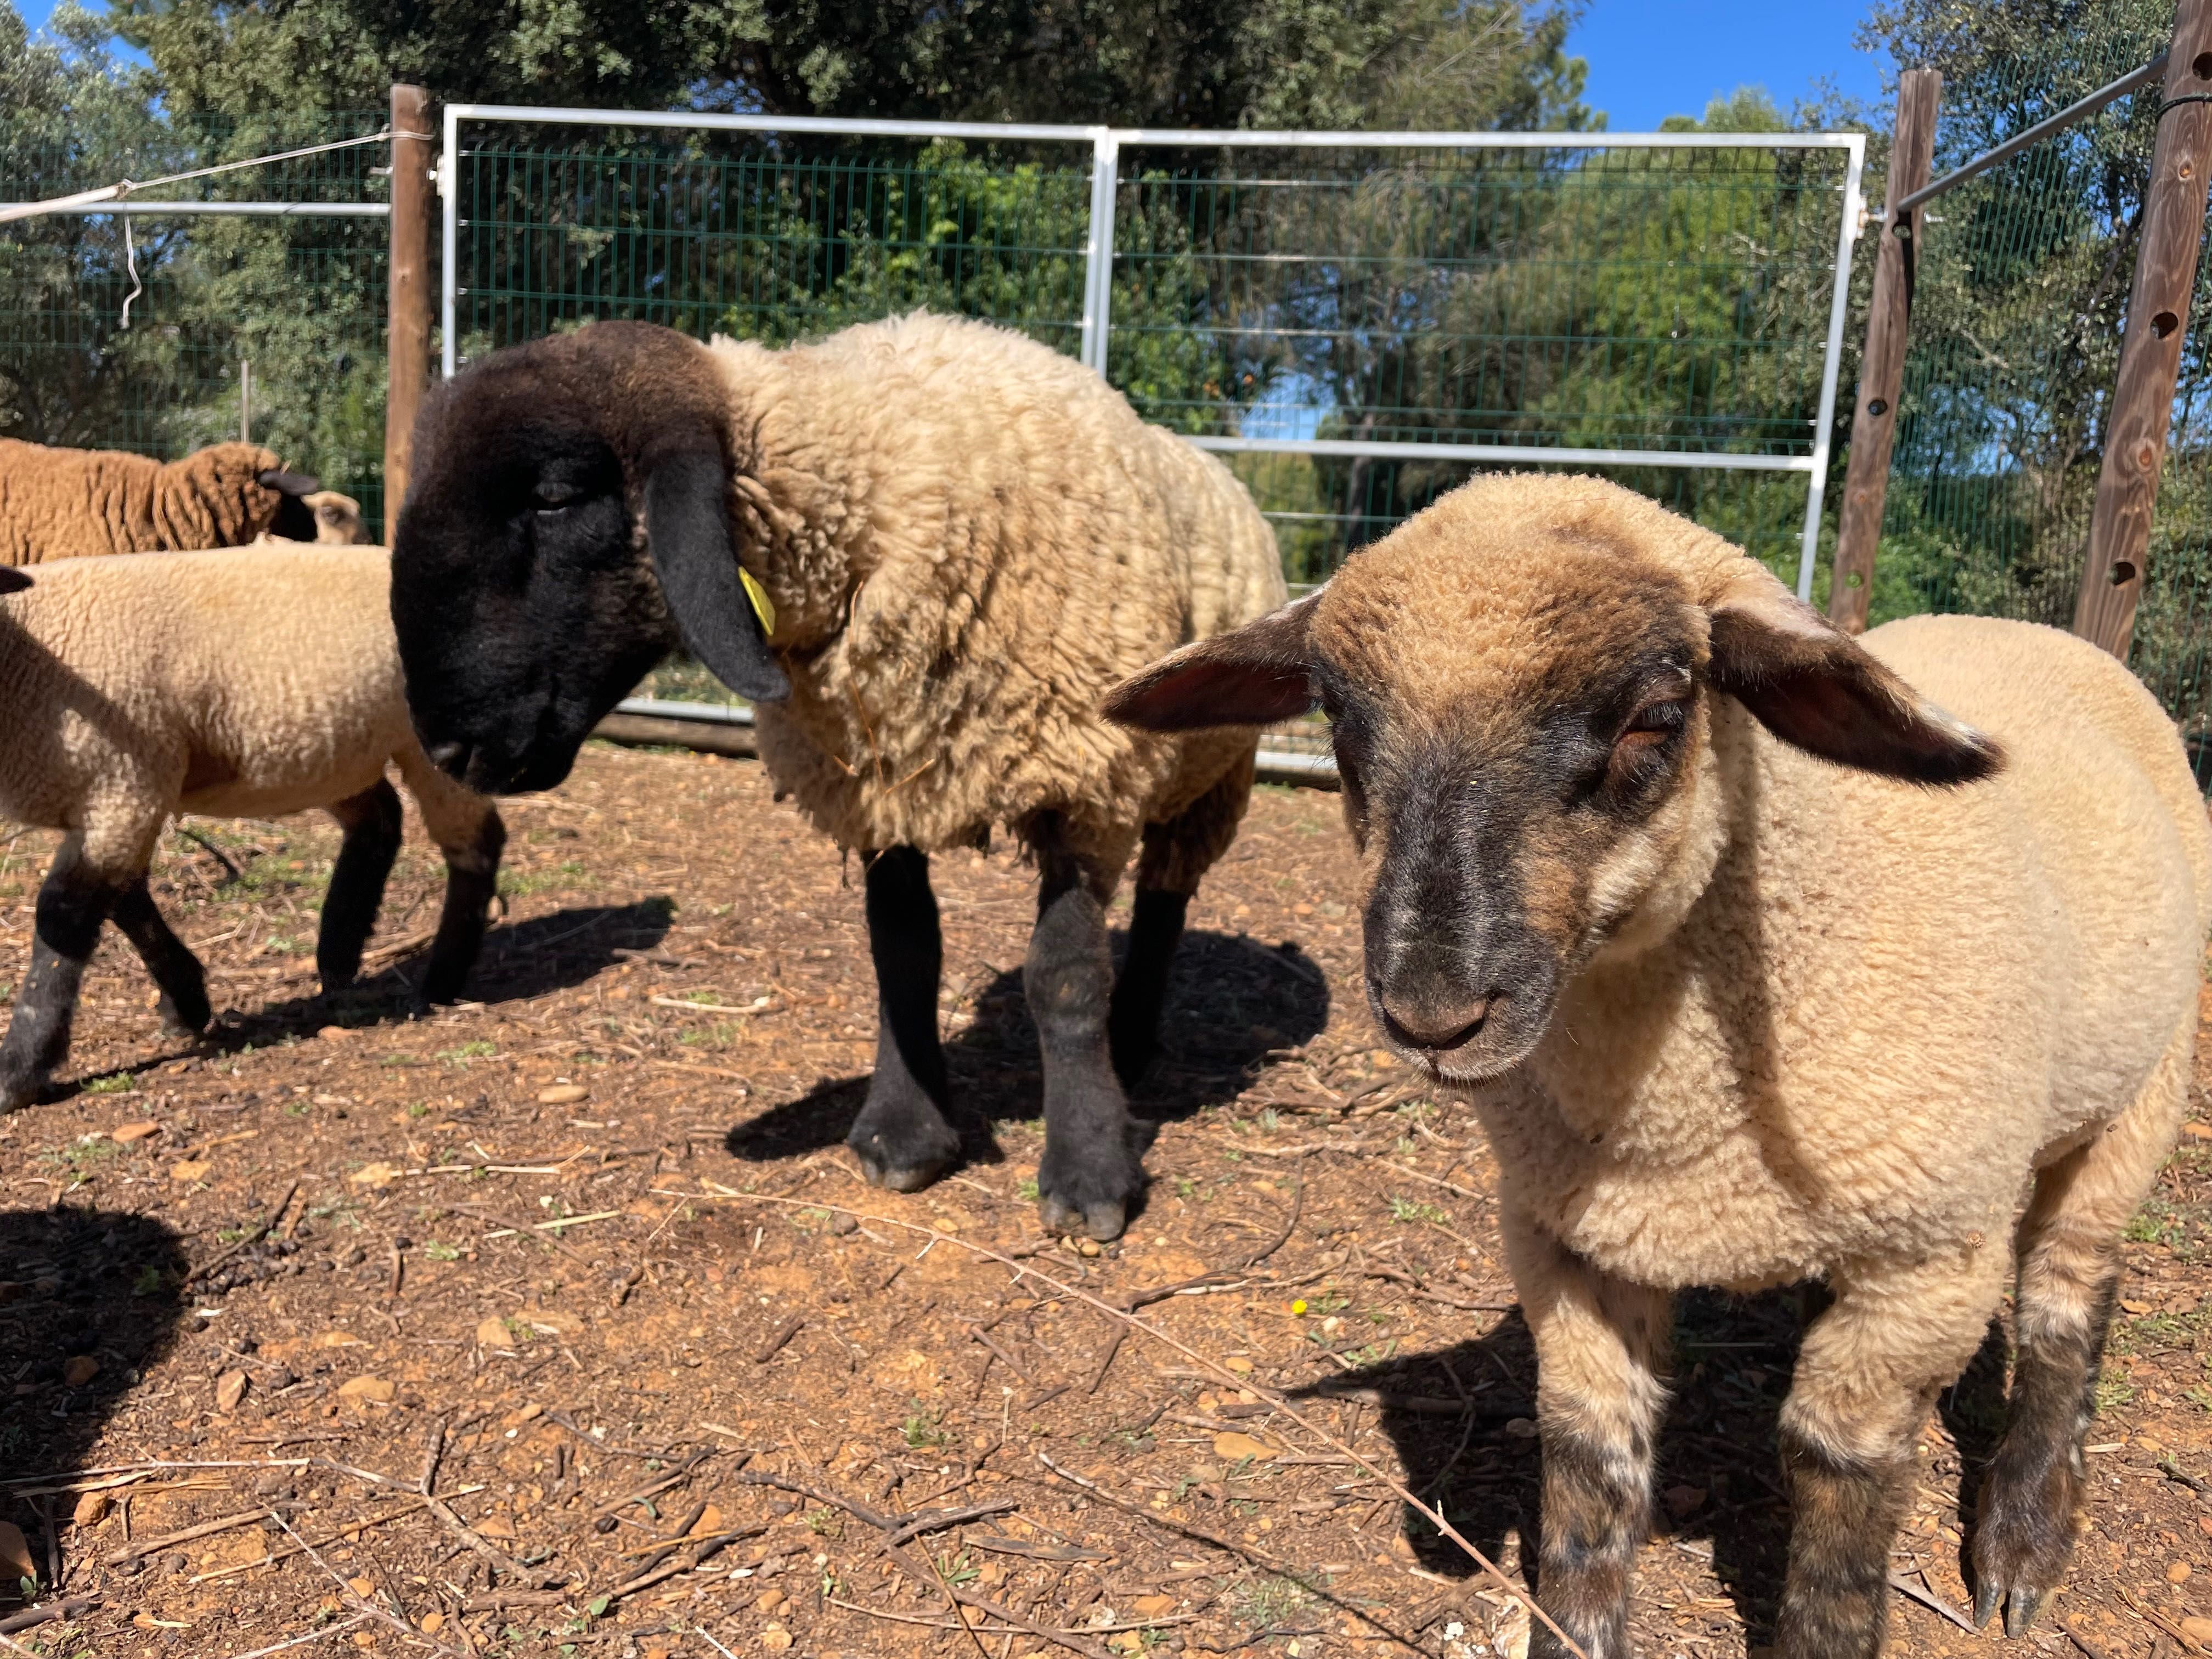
(361, 1587)
(335, 1033)
(563, 1094)
(433, 1623)
(776, 1639)
(187, 1170)
(368, 1388)
(2197, 1629)
(843, 1225)
(492, 1332)
(91, 1510)
(1236, 1363)
(78, 1369)
(16, 1559)
(127, 1133)
(1521, 1428)
(1231, 1447)
(2176, 1572)
(770, 1600)
(229, 1390)
(2204, 1525)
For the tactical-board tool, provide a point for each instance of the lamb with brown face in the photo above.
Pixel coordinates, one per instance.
(1758, 966)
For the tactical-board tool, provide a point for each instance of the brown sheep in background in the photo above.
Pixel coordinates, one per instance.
(1758, 968)
(74, 503)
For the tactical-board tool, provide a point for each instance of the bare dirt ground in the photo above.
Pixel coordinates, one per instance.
(577, 1260)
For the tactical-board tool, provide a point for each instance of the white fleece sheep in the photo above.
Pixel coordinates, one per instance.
(1758, 966)
(963, 538)
(74, 503)
(253, 681)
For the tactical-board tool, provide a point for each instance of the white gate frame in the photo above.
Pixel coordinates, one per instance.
(1106, 144)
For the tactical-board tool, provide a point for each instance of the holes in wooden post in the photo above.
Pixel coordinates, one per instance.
(2163, 323)
(2121, 572)
(2201, 65)
(1877, 405)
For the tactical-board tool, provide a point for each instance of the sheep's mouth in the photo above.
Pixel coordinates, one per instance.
(1482, 1053)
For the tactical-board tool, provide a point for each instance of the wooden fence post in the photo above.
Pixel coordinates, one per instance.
(2150, 352)
(1882, 365)
(408, 332)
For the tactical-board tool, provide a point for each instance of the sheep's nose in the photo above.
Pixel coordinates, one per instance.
(448, 757)
(1436, 1026)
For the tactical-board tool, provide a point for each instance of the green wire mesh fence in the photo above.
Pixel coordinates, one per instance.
(2018, 312)
(301, 298)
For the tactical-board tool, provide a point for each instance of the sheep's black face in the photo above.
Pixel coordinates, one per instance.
(567, 528)
(524, 606)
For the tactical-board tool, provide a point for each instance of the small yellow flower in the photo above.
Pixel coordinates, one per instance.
(1299, 1306)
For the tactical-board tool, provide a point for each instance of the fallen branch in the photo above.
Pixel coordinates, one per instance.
(346, 1531)
(145, 1546)
(253, 1236)
(302, 1641)
(1419, 1289)
(1931, 1601)
(69, 1607)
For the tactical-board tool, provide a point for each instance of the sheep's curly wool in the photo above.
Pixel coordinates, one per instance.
(954, 595)
(74, 503)
(247, 681)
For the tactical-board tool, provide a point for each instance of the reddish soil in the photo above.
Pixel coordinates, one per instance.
(676, 1023)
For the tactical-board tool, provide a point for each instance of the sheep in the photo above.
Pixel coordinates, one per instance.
(1758, 967)
(253, 681)
(336, 517)
(72, 503)
(957, 539)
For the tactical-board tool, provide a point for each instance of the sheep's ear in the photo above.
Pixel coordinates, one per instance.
(1817, 688)
(687, 528)
(12, 580)
(1255, 675)
(288, 484)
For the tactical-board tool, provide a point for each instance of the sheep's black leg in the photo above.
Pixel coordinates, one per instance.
(1134, 1025)
(175, 970)
(900, 1137)
(471, 883)
(2069, 1269)
(1091, 1170)
(371, 821)
(72, 903)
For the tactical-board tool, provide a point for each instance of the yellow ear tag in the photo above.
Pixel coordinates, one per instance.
(763, 607)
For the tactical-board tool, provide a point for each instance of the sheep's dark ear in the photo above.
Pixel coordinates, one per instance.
(288, 484)
(1255, 675)
(1819, 689)
(687, 528)
(12, 580)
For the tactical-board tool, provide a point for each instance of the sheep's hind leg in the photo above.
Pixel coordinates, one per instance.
(72, 903)
(1600, 1347)
(1176, 854)
(1091, 1170)
(176, 970)
(2069, 1273)
(1869, 1367)
(371, 821)
(900, 1137)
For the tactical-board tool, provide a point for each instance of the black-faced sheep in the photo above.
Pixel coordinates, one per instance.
(1758, 967)
(252, 681)
(963, 539)
(74, 503)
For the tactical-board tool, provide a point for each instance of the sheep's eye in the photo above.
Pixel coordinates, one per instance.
(555, 498)
(1650, 726)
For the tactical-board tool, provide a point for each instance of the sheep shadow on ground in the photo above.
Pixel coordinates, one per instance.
(1230, 1001)
(546, 953)
(81, 1286)
(1718, 1483)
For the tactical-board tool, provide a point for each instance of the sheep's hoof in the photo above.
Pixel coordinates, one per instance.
(1104, 1221)
(900, 1178)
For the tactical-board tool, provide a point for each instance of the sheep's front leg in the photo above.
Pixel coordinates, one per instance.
(900, 1137)
(1600, 1391)
(1868, 1369)
(1091, 1170)
(176, 970)
(72, 903)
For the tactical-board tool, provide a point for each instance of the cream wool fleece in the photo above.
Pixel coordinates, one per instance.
(73, 504)
(248, 681)
(954, 595)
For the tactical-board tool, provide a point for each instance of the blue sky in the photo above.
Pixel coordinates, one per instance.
(1652, 58)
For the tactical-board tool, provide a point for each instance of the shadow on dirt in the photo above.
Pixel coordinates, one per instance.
(89, 1300)
(1230, 1001)
(1718, 1485)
